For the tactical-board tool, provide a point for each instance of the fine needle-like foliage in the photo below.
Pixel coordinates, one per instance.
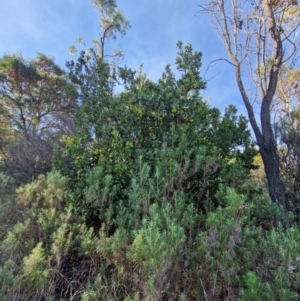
(153, 197)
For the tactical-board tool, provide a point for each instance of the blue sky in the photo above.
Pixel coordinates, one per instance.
(50, 27)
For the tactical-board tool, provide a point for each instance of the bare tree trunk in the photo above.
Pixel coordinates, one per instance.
(276, 185)
(252, 32)
(268, 149)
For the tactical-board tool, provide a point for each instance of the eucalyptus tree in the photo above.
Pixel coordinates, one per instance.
(37, 107)
(259, 37)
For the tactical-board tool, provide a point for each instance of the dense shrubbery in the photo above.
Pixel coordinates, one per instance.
(152, 199)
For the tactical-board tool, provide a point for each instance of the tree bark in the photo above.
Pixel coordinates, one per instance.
(276, 186)
(264, 27)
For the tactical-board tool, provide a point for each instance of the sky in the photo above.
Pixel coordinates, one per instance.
(51, 26)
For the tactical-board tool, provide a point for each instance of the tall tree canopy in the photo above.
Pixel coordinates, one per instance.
(156, 200)
(37, 107)
(36, 96)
